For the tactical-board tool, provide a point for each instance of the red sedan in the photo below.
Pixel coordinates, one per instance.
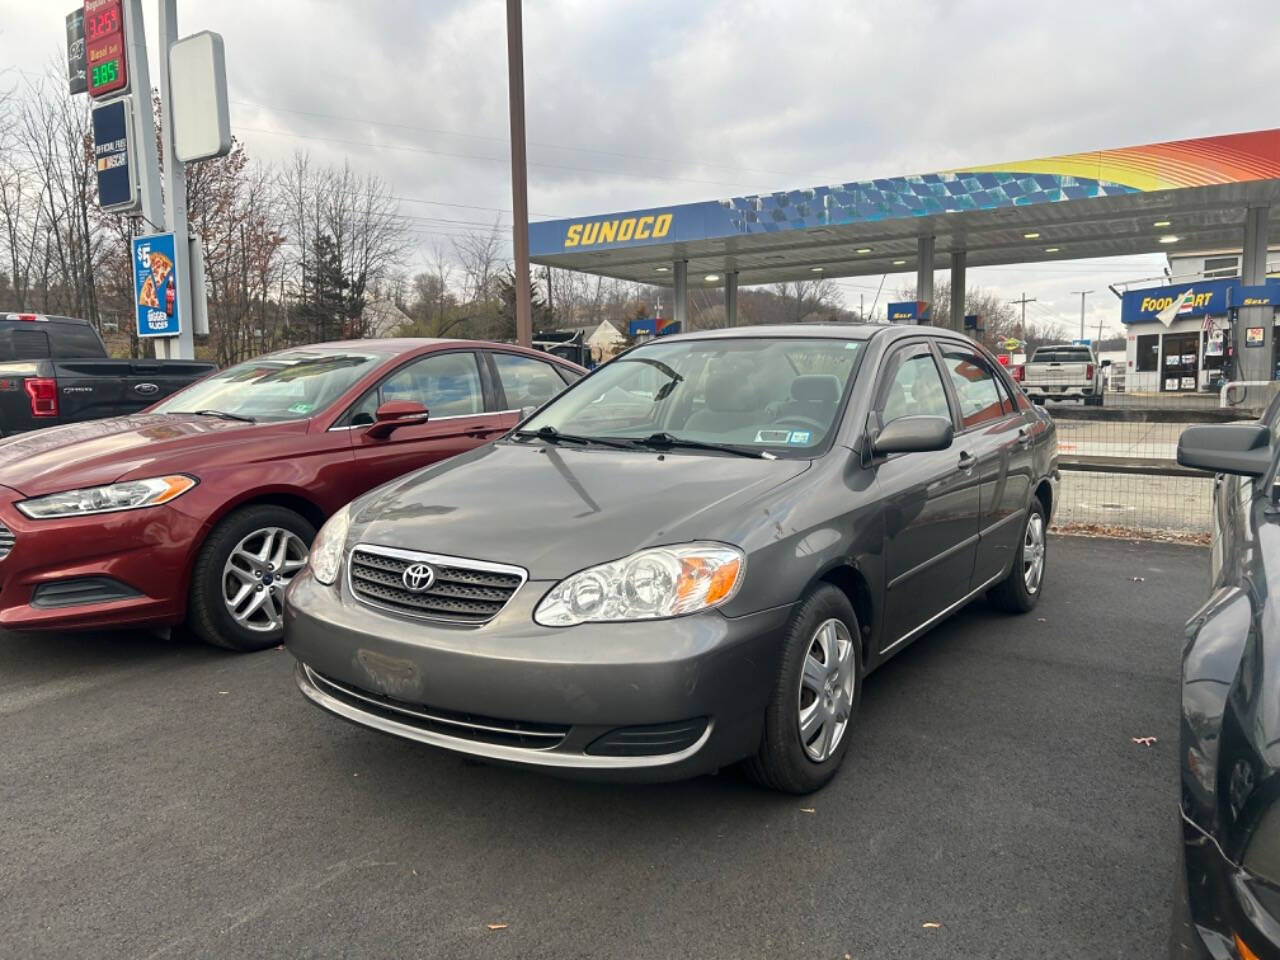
(202, 508)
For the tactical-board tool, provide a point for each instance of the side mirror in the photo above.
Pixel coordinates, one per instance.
(1106, 363)
(914, 435)
(1243, 449)
(393, 414)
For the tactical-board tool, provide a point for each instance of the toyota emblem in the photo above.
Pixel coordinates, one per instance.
(418, 577)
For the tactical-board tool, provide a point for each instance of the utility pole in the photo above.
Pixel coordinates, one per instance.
(1083, 294)
(182, 346)
(519, 173)
(1022, 328)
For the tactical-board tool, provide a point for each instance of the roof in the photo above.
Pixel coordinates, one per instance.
(391, 346)
(1101, 203)
(384, 317)
(606, 329)
(812, 331)
(17, 315)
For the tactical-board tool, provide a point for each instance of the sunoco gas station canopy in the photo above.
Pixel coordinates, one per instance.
(1179, 195)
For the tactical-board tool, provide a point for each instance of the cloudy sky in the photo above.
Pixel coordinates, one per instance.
(636, 103)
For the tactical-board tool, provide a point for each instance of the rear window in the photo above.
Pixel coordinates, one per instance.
(25, 342)
(1062, 355)
(73, 341)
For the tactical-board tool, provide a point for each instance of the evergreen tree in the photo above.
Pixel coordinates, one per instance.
(323, 310)
(543, 317)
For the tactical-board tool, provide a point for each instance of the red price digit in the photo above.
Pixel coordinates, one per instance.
(103, 24)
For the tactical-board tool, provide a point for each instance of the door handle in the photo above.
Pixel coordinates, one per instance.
(967, 461)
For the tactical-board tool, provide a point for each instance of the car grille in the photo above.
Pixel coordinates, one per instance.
(463, 591)
(7, 540)
(464, 726)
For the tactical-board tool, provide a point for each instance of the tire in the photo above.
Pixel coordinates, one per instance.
(823, 620)
(1019, 591)
(1184, 941)
(245, 534)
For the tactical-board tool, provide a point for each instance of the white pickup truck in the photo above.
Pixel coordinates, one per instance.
(1062, 372)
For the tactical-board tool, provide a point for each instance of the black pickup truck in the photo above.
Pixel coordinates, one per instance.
(56, 370)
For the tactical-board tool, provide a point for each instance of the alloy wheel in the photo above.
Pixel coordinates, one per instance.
(1033, 553)
(827, 685)
(256, 574)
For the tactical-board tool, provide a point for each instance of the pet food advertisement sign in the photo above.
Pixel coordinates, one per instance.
(154, 286)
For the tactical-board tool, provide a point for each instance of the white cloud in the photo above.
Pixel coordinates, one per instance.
(641, 102)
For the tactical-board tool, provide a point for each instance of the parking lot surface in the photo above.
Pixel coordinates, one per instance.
(163, 799)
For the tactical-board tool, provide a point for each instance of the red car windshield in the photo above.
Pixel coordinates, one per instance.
(280, 386)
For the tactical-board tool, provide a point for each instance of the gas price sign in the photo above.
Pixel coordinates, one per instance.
(104, 46)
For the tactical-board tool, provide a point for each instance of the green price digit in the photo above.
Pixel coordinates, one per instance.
(106, 73)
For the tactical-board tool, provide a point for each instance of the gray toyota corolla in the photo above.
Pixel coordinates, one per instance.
(691, 557)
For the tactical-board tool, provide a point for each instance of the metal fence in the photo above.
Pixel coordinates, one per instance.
(1119, 470)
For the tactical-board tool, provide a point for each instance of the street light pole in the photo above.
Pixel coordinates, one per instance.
(1083, 294)
(519, 173)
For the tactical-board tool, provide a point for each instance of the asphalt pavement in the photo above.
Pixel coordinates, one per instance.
(160, 799)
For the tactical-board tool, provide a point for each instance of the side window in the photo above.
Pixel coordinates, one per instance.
(1007, 403)
(447, 384)
(975, 386)
(362, 414)
(526, 382)
(912, 387)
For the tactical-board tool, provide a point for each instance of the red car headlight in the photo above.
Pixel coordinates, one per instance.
(126, 495)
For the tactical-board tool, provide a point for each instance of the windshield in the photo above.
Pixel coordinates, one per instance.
(280, 386)
(779, 394)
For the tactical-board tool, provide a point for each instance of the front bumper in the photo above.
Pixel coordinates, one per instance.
(144, 553)
(442, 684)
(1225, 902)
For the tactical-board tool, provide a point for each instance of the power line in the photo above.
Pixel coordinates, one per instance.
(471, 156)
(506, 141)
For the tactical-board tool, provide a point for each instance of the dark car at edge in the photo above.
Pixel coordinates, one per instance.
(692, 557)
(1227, 896)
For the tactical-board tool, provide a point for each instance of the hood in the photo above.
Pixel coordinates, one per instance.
(103, 451)
(555, 510)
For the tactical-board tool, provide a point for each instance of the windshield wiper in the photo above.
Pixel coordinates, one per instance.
(223, 415)
(552, 435)
(662, 439)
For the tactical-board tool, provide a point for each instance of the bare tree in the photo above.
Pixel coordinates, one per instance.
(56, 158)
(480, 263)
(363, 218)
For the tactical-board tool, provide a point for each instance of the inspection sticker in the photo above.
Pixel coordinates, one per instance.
(800, 437)
(774, 436)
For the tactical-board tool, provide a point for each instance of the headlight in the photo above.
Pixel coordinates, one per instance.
(1263, 855)
(128, 495)
(326, 550)
(661, 582)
